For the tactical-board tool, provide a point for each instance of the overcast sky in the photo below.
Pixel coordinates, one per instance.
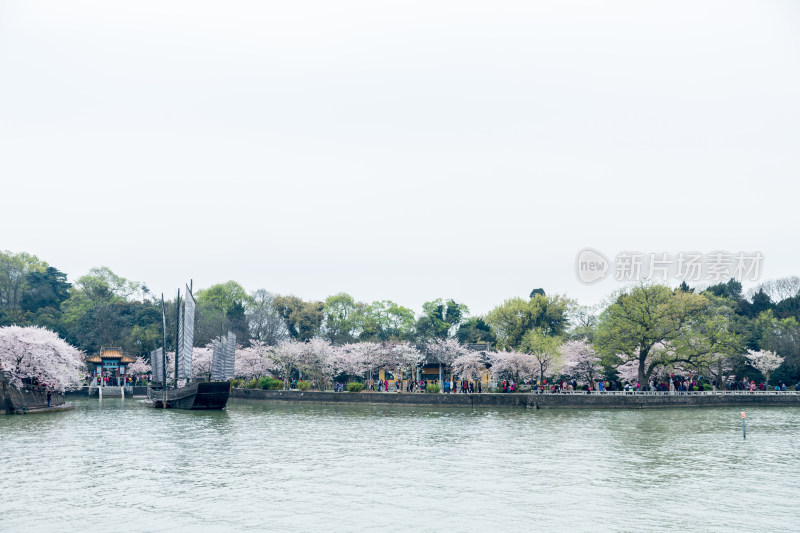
(401, 150)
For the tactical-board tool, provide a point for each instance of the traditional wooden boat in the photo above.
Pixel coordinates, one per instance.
(193, 395)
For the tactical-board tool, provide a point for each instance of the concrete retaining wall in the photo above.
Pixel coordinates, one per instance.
(531, 401)
(13, 400)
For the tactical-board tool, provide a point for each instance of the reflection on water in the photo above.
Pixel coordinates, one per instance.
(116, 465)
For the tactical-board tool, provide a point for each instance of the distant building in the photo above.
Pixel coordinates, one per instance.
(110, 363)
(480, 346)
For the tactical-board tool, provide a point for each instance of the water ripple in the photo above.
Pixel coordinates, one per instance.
(257, 467)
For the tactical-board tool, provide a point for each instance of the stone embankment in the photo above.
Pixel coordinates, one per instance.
(530, 401)
(27, 399)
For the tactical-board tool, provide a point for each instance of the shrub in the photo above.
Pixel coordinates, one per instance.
(251, 383)
(236, 383)
(355, 386)
(707, 386)
(269, 383)
(433, 388)
(304, 385)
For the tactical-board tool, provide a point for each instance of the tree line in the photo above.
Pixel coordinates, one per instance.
(642, 331)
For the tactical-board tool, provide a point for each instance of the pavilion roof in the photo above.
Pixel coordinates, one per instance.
(110, 356)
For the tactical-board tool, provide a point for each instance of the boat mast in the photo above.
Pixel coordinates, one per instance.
(177, 335)
(189, 377)
(164, 350)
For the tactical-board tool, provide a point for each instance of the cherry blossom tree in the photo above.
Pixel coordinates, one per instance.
(470, 365)
(629, 370)
(350, 360)
(764, 361)
(316, 360)
(40, 355)
(581, 361)
(254, 361)
(171, 365)
(138, 367)
(402, 356)
(660, 360)
(371, 354)
(445, 352)
(285, 357)
(201, 361)
(514, 365)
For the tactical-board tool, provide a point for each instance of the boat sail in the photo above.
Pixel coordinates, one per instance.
(192, 394)
(156, 364)
(223, 357)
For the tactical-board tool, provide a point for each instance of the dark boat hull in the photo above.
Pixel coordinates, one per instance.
(203, 395)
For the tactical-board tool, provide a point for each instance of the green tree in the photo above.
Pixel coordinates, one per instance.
(42, 299)
(99, 287)
(514, 318)
(266, 324)
(731, 289)
(584, 322)
(48, 288)
(544, 348)
(221, 308)
(440, 319)
(14, 282)
(303, 319)
(709, 338)
(475, 330)
(385, 320)
(760, 302)
(142, 339)
(642, 318)
(134, 326)
(343, 318)
(222, 297)
(782, 336)
(685, 287)
(788, 307)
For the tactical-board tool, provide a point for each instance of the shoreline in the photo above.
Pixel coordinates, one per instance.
(525, 400)
(39, 410)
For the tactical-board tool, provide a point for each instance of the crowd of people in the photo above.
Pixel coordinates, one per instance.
(670, 384)
(108, 380)
(745, 385)
(412, 385)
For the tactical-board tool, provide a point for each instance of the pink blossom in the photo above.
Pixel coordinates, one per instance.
(201, 361)
(581, 361)
(138, 368)
(446, 351)
(469, 365)
(515, 365)
(38, 353)
(253, 361)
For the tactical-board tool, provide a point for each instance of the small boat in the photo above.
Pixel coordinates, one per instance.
(193, 395)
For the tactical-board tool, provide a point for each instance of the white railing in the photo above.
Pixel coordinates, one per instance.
(678, 393)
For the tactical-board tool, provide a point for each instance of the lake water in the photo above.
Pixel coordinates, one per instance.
(116, 465)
